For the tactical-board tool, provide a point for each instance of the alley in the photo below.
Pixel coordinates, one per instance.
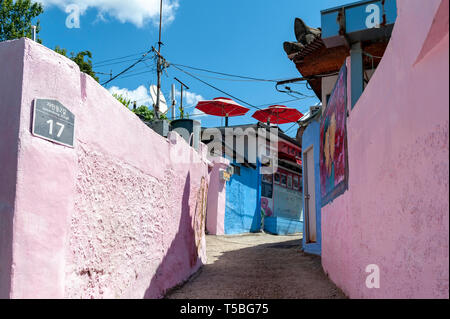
(258, 266)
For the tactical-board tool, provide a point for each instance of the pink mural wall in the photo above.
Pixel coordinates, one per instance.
(396, 211)
(118, 216)
(215, 219)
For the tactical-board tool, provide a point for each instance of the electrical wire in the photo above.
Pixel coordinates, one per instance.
(115, 59)
(135, 74)
(225, 74)
(217, 89)
(129, 68)
(116, 63)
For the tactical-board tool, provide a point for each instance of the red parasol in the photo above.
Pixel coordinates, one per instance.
(222, 106)
(278, 114)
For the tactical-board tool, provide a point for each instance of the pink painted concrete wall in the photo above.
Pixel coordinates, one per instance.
(396, 211)
(215, 218)
(118, 216)
(10, 94)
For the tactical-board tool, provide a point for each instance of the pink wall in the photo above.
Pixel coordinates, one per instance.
(118, 216)
(395, 213)
(10, 92)
(215, 219)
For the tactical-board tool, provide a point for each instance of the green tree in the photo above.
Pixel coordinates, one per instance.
(143, 112)
(16, 19)
(85, 66)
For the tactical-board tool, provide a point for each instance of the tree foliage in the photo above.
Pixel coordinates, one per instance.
(143, 112)
(16, 19)
(85, 66)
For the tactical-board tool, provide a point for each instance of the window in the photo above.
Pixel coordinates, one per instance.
(296, 183)
(267, 178)
(283, 180)
(289, 181)
(236, 170)
(277, 178)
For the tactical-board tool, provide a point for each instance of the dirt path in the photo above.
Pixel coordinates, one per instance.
(258, 266)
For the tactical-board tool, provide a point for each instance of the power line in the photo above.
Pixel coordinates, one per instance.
(130, 67)
(216, 88)
(135, 74)
(282, 102)
(225, 74)
(115, 59)
(115, 63)
(212, 86)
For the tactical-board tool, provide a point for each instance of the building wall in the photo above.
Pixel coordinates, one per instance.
(329, 82)
(395, 212)
(11, 79)
(287, 215)
(120, 215)
(215, 213)
(243, 205)
(311, 137)
(282, 226)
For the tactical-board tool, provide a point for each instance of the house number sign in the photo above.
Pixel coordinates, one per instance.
(52, 121)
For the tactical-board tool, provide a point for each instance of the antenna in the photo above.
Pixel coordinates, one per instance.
(182, 85)
(159, 63)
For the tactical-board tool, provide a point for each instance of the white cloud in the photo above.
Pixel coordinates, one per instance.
(141, 95)
(190, 100)
(138, 12)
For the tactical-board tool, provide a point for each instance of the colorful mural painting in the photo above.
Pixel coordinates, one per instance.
(267, 196)
(333, 143)
(199, 219)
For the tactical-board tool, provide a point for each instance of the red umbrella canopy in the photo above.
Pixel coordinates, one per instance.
(222, 106)
(278, 114)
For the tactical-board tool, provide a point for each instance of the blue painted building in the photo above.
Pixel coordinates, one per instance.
(243, 195)
(255, 201)
(312, 235)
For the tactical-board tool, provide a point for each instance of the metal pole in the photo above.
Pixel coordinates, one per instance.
(182, 85)
(174, 102)
(33, 27)
(159, 63)
(181, 103)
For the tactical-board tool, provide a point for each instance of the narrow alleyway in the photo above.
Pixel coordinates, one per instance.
(257, 266)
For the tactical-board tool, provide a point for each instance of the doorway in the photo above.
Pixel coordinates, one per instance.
(309, 194)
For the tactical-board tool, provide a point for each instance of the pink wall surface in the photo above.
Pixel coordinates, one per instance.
(396, 211)
(215, 214)
(118, 216)
(11, 65)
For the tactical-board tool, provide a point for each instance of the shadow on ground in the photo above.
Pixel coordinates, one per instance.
(258, 266)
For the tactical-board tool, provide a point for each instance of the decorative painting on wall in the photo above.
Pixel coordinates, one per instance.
(199, 219)
(266, 195)
(333, 143)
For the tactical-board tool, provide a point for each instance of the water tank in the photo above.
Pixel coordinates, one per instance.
(186, 128)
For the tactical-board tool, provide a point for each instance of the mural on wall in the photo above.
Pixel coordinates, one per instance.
(333, 143)
(200, 218)
(266, 207)
(266, 197)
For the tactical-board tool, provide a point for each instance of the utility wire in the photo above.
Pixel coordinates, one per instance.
(212, 86)
(135, 74)
(225, 74)
(115, 59)
(282, 102)
(217, 89)
(130, 67)
(115, 63)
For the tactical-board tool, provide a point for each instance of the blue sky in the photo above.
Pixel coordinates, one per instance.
(236, 37)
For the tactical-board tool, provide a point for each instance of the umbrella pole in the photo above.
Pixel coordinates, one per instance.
(226, 121)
